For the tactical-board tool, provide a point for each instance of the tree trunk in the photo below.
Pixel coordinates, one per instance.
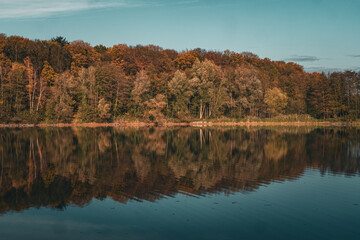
(117, 96)
(2, 85)
(40, 95)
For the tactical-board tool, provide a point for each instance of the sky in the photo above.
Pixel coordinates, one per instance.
(321, 35)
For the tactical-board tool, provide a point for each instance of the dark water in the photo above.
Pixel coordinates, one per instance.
(180, 183)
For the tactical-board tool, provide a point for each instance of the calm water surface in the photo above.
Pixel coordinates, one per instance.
(180, 183)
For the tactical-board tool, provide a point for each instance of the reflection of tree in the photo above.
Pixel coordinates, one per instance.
(57, 166)
(275, 147)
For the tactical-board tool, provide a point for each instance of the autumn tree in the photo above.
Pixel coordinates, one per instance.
(352, 94)
(155, 108)
(5, 68)
(83, 55)
(16, 88)
(275, 101)
(141, 91)
(114, 86)
(293, 82)
(180, 94)
(31, 82)
(103, 110)
(123, 56)
(246, 92)
(60, 104)
(208, 85)
(187, 59)
(48, 74)
(319, 96)
(88, 95)
(57, 53)
(17, 48)
(46, 82)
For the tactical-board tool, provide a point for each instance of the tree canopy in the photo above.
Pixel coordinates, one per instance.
(60, 81)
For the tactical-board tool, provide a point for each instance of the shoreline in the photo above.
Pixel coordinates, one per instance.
(185, 124)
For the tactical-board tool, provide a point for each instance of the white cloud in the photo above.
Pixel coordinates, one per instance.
(42, 8)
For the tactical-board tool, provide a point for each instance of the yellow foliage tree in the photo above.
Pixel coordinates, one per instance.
(31, 86)
(187, 59)
(48, 74)
(275, 101)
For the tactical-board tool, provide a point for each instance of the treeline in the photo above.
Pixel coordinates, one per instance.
(58, 81)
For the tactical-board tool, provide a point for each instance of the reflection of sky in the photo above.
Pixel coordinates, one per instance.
(315, 206)
(318, 34)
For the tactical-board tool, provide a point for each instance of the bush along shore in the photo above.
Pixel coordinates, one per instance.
(278, 121)
(55, 81)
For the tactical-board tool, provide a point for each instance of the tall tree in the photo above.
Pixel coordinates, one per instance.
(47, 81)
(141, 91)
(60, 104)
(32, 82)
(180, 94)
(16, 88)
(112, 84)
(88, 95)
(5, 68)
(208, 85)
(319, 96)
(246, 91)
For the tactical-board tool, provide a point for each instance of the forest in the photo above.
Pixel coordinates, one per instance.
(57, 81)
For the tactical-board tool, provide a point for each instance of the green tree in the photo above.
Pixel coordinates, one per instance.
(103, 110)
(46, 82)
(32, 84)
(155, 108)
(246, 91)
(114, 86)
(208, 85)
(87, 93)
(60, 105)
(319, 96)
(141, 91)
(16, 88)
(60, 40)
(180, 93)
(5, 68)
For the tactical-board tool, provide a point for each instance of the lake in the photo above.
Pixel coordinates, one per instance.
(180, 183)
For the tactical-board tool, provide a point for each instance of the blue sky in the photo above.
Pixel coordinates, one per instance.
(321, 35)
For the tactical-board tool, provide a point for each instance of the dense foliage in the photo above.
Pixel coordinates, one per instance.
(58, 81)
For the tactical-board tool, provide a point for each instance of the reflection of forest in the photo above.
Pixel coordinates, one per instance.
(57, 166)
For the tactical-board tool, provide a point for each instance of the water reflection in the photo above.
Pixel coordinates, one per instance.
(54, 167)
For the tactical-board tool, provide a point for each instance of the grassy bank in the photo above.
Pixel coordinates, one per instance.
(192, 123)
